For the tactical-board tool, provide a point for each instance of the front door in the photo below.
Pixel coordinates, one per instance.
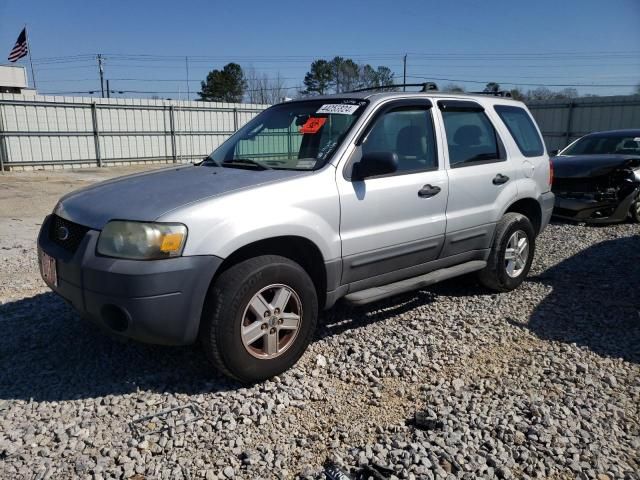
(394, 222)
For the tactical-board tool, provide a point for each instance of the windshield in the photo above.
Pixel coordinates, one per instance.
(294, 136)
(605, 144)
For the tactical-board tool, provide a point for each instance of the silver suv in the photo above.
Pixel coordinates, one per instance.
(356, 197)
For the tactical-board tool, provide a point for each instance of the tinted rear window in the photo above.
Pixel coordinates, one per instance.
(522, 129)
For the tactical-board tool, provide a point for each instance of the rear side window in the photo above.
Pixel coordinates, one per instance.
(471, 138)
(522, 129)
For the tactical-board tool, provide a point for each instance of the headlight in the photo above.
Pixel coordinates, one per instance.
(142, 241)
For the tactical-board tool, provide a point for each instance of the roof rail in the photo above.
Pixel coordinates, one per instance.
(500, 93)
(426, 87)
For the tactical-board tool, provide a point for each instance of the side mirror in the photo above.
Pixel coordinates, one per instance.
(374, 164)
(553, 153)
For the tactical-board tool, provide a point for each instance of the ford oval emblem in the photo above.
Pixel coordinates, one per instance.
(62, 233)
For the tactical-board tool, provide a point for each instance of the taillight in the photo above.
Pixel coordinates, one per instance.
(550, 173)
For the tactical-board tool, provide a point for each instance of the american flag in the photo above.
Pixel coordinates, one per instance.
(20, 49)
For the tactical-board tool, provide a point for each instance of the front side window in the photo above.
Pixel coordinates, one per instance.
(408, 132)
(293, 136)
(471, 138)
(522, 129)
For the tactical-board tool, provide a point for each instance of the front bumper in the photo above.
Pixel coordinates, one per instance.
(594, 211)
(153, 301)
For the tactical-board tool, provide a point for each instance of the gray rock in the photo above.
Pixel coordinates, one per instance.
(228, 472)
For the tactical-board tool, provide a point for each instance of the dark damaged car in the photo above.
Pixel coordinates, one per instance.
(597, 178)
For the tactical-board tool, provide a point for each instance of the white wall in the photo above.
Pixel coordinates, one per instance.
(13, 76)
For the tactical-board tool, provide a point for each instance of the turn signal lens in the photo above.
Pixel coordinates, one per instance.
(171, 242)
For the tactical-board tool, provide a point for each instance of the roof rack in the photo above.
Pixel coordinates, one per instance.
(500, 93)
(426, 87)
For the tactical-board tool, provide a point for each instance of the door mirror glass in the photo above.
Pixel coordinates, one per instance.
(373, 164)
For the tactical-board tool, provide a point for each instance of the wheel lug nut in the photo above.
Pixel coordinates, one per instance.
(266, 314)
(280, 321)
(272, 331)
(263, 326)
(277, 311)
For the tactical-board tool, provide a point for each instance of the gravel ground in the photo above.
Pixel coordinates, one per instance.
(543, 382)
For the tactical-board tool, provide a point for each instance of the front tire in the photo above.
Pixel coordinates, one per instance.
(511, 254)
(259, 318)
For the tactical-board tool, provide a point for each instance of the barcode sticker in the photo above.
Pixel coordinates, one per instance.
(338, 108)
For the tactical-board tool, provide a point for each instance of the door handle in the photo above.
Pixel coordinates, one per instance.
(499, 179)
(428, 191)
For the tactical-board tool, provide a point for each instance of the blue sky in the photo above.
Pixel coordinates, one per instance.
(545, 41)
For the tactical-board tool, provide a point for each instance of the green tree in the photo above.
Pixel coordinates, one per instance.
(492, 87)
(346, 74)
(517, 94)
(453, 88)
(226, 85)
(372, 78)
(384, 77)
(342, 75)
(318, 79)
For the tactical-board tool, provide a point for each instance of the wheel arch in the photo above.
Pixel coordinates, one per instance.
(298, 249)
(530, 208)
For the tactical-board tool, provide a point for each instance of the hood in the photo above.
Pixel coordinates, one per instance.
(147, 196)
(585, 166)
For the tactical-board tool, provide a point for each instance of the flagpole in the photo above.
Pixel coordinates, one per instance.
(33, 75)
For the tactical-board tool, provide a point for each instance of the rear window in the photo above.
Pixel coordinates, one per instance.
(522, 129)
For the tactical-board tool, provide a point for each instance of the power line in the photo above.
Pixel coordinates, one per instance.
(443, 61)
(430, 55)
(427, 77)
(91, 92)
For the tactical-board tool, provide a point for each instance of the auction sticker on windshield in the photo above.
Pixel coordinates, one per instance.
(338, 108)
(313, 125)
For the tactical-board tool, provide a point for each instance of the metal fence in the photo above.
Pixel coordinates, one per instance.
(51, 131)
(55, 131)
(561, 122)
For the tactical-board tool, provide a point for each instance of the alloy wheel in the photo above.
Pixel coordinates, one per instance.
(516, 254)
(271, 321)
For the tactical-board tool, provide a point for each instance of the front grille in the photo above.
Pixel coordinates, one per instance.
(67, 234)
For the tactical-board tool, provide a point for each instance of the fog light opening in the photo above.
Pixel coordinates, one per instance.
(115, 318)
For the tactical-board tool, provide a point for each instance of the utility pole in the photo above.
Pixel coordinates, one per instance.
(186, 62)
(108, 90)
(101, 71)
(404, 73)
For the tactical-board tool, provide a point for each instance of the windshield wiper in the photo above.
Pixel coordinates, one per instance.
(246, 162)
(207, 161)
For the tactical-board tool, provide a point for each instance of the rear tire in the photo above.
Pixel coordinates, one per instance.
(249, 328)
(511, 254)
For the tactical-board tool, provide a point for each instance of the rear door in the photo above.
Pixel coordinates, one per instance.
(481, 178)
(397, 221)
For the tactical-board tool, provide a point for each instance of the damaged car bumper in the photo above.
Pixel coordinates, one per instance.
(596, 191)
(595, 208)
